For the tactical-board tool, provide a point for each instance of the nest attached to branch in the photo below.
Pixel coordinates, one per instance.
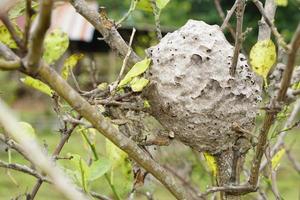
(192, 92)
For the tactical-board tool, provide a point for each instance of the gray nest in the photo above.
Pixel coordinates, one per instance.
(192, 93)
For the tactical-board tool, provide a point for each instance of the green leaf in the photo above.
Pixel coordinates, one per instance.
(146, 104)
(137, 69)
(138, 84)
(28, 129)
(144, 5)
(277, 157)
(211, 163)
(102, 86)
(38, 85)
(124, 182)
(99, 168)
(6, 38)
(263, 57)
(81, 168)
(69, 64)
(162, 3)
(55, 44)
(114, 154)
(20, 8)
(282, 3)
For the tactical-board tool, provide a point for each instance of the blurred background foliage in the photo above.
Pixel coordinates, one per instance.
(37, 109)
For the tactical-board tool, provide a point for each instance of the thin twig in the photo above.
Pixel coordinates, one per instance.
(238, 39)
(23, 168)
(295, 164)
(12, 30)
(274, 186)
(131, 9)
(124, 61)
(111, 36)
(28, 16)
(13, 145)
(222, 16)
(156, 13)
(274, 103)
(9, 65)
(274, 30)
(229, 14)
(37, 156)
(56, 152)
(36, 38)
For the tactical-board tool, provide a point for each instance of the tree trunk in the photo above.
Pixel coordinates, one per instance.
(228, 172)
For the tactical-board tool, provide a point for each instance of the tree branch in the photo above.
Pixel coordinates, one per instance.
(274, 103)
(280, 140)
(38, 32)
(11, 29)
(110, 34)
(9, 65)
(279, 38)
(55, 153)
(105, 127)
(28, 16)
(222, 16)
(37, 157)
(229, 14)
(23, 168)
(240, 8)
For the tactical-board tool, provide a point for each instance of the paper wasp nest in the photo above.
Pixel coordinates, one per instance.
(191, 91)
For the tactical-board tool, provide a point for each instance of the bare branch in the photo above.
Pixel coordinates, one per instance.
(11, 29)
(288, 72)
(295, 164)
(57, 150)
(274, 30)
(7, 53)
(23, 168)
(110, 34)
(131, 9)
(156, 13)
(272, 113)
(229, 14)
(222, 16)
(124, 61)
(37, 157)
(280, 140)
(13, 145)
(238, 39)
(105, 127)
(9, 65)
(274, 186)
(38, 32)
(264, 31)
(29, 13)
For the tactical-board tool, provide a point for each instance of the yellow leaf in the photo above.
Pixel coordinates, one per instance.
(69, 64)
(55, 44)
(137, 69)
(38, 85)
(138, 84)
(263, 57)
(211, 163)
(6, 38)
(28, 129)
(277, 157)
(282, 3)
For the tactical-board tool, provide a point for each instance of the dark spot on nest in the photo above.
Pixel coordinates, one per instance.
(196, 59)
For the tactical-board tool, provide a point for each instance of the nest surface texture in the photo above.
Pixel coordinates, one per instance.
(192, 92)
